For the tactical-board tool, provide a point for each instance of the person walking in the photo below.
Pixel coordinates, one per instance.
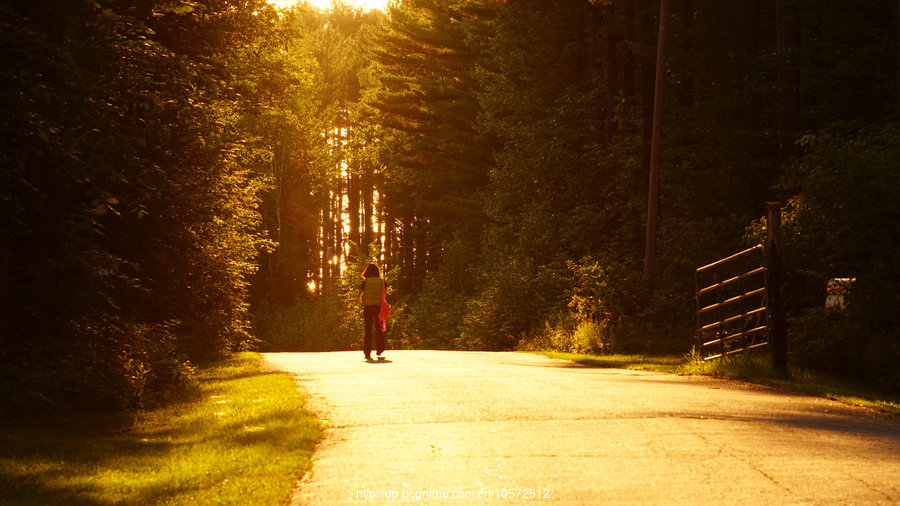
(372, 295)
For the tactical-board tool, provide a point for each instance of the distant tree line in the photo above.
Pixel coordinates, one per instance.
(181, 179)
(493, 157)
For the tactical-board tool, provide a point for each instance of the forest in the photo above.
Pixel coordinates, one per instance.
(182, 179)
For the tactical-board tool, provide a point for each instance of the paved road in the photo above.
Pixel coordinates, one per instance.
(434, 425)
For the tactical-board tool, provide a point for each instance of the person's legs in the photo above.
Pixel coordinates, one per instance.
(369, 321)
(379, 335)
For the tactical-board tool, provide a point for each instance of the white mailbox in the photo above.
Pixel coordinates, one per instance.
(836, 290)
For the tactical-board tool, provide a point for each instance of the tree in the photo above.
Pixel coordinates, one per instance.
(133, 224)
(429, 97)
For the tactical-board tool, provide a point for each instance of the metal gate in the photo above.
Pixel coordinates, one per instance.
(732, 309)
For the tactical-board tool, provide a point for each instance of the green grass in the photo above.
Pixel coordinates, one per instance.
(245, 440)
(754, 368)
(669, 364)
(757, 368)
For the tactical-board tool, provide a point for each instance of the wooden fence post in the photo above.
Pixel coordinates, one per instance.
(775, 284)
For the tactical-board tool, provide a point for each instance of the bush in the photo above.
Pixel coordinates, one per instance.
(832, 341)
(842, 221)
(110, 366)
(515, 298)
(315, 323)
(822, 340)
(434, 317)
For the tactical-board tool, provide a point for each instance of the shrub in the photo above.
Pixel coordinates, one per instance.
(842, 221)
(316, 323)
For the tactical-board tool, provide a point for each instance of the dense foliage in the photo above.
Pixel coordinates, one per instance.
(185, 178)
(507, 148)
(132, 166)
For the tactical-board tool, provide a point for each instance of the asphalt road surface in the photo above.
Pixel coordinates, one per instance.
(442, 427)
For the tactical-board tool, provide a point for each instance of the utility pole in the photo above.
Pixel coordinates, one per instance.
(653, 186)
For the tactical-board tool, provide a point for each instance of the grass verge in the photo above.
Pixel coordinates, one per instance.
(753, 368)
(669, 364)
(245, 440)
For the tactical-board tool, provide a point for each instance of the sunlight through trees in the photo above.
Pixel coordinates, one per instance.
(184, 179)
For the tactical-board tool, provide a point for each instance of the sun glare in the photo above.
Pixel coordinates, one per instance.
(366, 5)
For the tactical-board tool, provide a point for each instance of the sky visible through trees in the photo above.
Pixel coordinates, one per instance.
(365, 5)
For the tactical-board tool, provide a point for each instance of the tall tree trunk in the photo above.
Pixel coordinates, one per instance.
(327, 248)
(280, 268)
(353, 209)
(278, 174)
(381, 223)
(628, 86)
(307, 245)
(608, 19)
(420, 252)
(4, 299)
(338, 223)
(315, 245)
(787, 26)
(48, 225)
(685, 30)
(367, 198)
(337, 196)
(388, 248)
(407, 248)
(750, 42)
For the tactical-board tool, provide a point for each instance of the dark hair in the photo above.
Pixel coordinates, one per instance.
(371, 271)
